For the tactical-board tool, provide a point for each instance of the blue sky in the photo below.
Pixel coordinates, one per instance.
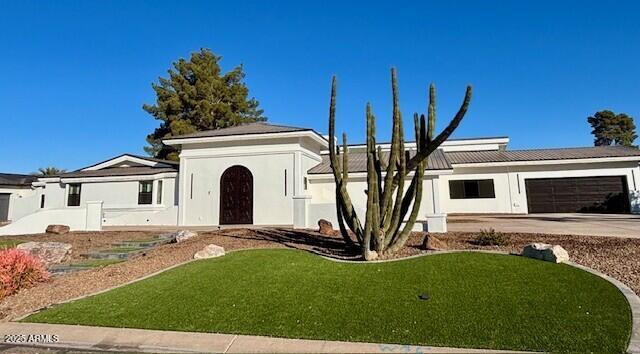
(76, 73)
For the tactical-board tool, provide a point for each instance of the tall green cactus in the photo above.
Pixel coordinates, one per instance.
(387, 200)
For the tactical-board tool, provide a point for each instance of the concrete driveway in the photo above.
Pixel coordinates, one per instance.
(575, 224)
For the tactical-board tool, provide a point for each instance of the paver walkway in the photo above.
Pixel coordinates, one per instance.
(142, 340)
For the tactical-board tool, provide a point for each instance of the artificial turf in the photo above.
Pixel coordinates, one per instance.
(474, 300)
(97, 262)
(4, 244)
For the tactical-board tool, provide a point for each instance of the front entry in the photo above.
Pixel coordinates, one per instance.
(236, 196)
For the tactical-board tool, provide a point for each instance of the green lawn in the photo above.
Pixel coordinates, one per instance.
(476, 300)
(5, 243)
(97, 262)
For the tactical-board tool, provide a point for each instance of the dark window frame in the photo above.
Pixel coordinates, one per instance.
(145, 197)
(472, 189)
(73, 198)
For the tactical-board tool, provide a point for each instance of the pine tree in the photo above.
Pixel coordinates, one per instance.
(197, 96)
(610, 128)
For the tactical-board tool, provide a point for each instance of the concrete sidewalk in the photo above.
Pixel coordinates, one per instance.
(142, 340)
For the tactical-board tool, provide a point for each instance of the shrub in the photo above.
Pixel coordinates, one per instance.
(19, 270)
(490, 237)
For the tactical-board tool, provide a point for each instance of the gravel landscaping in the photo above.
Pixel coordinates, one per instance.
(86, 242)
(617, 257)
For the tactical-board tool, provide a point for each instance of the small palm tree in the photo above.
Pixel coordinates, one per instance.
(49, 171)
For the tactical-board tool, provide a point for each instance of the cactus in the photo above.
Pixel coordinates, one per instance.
(383, 232)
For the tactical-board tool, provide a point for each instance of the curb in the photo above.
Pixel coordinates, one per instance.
(158, 341)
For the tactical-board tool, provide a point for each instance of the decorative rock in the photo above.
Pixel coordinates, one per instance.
(210, 251)
(546, 252)
(47, 252)
(57, 229)
(184, 235)
(325, 227)
(432, 243)
(371, 255)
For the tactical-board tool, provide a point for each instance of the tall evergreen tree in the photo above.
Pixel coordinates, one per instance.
(610, 128)
(197, 96)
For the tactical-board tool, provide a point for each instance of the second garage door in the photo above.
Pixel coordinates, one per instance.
(578, 195)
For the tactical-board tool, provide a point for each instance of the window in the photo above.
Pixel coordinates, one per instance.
(42, 201)
(306, 183)
(159, 196)
(145, 192)
(191, 188)
(74, 195)
(471, 189)
(285, 183)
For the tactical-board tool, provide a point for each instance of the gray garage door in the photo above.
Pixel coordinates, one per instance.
(578, 195)
(4, 206)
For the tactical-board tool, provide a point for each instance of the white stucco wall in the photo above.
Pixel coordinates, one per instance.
(38, 221)
(202, 166)
(22, 201)
(322, 202)
(509, 184)
(120, 199)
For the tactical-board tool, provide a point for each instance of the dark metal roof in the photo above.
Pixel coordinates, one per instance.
(17, 180)
(450, 139)
(358, 162)
(168, 162)
(152, 159)
(244, 129)
(460, 157)
(119, 171)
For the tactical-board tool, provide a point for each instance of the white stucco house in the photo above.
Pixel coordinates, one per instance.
(275, 175)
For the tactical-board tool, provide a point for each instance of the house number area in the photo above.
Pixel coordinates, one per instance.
(30, 338)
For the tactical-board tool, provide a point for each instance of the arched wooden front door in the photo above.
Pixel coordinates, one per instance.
(236, 196)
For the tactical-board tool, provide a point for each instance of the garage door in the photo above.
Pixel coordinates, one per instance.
(4, 206)
(578, 195)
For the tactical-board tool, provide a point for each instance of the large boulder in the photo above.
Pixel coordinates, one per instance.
(546, 252)
(48, 252)
(183, 235)
(210, 251)
(57, 229)
(432, 243)
(325, 227)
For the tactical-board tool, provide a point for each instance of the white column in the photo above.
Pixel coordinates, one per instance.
(297, 173)
(300, 207)
(94, 216)
(182, 191)
(436, 222)
(634, 190)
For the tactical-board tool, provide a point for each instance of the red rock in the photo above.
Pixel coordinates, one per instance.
(325, 227)
(433, 243)
(57, 229)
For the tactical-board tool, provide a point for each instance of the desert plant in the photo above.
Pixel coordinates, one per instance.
(387, 201)
(490, 237)
(19, 270)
